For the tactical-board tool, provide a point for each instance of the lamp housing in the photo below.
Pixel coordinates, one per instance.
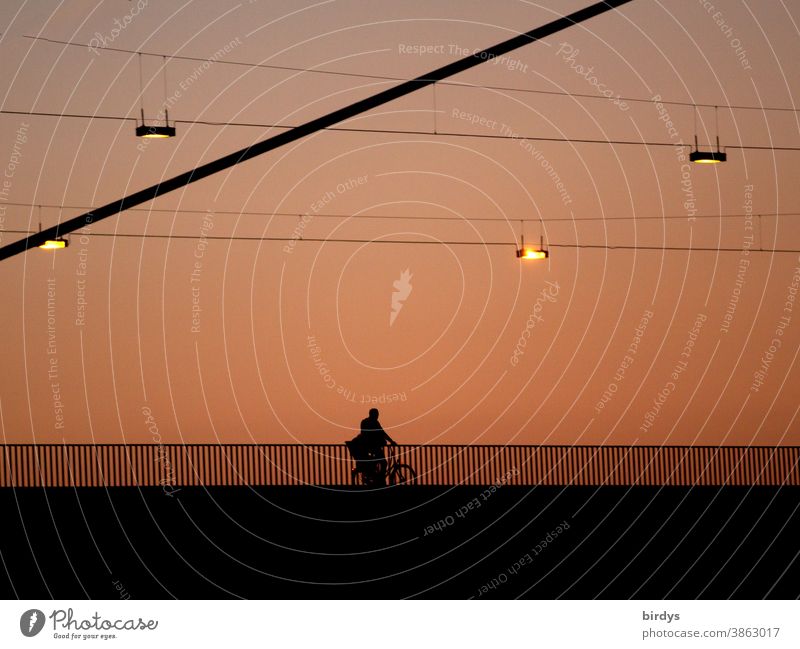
(155, 131)
(708, 157)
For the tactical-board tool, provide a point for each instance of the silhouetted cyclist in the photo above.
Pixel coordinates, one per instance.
(373, 438)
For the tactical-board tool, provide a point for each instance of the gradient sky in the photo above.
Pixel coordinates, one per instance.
(295, 344)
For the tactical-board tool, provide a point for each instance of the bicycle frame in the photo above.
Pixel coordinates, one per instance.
(370, 475)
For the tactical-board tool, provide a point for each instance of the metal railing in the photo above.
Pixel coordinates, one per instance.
(186, 465)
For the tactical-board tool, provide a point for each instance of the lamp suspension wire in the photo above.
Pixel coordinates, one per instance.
(435, 112)
(541, 232)
(141, 89)
(760, 240)
(166, 110)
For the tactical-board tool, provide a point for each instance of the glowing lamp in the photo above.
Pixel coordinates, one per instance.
(530, 253)
(526, 252)
(54, 244)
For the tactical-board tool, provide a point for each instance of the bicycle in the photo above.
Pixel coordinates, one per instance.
(369, 472)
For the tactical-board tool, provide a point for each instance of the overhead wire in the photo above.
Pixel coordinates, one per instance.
(383, 77)
(466, 219)
(386, 131)
(220, 237)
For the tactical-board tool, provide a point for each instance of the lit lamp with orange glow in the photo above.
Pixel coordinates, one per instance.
(527, 252)
(54, 244)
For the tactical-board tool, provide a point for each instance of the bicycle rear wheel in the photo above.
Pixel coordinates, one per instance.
(402, 474)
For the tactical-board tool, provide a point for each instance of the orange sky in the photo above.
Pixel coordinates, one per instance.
(293, 342)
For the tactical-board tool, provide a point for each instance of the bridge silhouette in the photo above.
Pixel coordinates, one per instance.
(329, 465)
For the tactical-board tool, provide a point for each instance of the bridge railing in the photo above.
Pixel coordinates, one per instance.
(185, 465)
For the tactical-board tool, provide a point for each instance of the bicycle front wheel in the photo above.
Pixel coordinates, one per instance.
(402, 474)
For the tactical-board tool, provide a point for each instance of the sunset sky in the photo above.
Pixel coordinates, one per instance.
(293, 341)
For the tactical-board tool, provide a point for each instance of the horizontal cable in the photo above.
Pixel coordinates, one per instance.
(287, 68)
(195, 237)
(465, 219)
(346, 129)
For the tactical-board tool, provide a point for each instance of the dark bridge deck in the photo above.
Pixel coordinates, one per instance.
(183, 465)
(453, 542)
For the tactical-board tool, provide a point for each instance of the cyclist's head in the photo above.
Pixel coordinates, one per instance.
(373, 413)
